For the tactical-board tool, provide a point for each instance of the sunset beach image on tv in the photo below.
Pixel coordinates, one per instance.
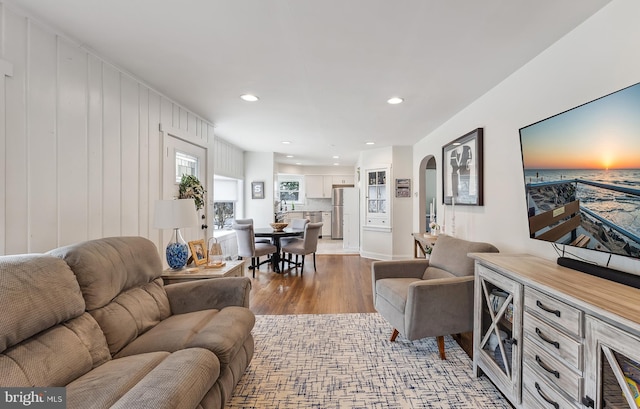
(582, 175)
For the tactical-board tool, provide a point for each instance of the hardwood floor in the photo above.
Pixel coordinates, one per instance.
(341, 284)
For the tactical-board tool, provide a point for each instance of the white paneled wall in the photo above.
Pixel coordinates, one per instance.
(228, 160)
(79, 142)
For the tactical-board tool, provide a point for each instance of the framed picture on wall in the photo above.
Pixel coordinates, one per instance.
(403, 187)
(257, 190)
(462, 170)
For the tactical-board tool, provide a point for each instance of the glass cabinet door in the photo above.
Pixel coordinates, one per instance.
(615, 365)
(498, 330)
(377, 199)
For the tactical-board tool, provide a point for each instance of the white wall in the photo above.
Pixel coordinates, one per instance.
(260, 167)
(314, 170)
(79, 142)
(595, 59)
(398, 243)
(402, 206)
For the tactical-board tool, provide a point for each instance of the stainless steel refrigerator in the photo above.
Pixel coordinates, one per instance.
(344, 201)
(337, 216)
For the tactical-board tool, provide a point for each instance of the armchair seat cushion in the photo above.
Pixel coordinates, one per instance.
(395, 291)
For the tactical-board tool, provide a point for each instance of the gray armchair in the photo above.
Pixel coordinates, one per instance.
(429, 298)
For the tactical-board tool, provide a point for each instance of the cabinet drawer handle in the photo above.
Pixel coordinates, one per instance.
(543, 396)
(546, 368)
(547, 309)
(545, 339)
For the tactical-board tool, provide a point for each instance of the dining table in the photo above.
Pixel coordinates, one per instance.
(275, 236)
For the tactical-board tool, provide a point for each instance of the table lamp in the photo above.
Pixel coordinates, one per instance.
(174, 214)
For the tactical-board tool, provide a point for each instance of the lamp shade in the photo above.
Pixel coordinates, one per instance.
(174, 214)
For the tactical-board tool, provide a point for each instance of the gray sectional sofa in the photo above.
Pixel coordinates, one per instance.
(96, 318)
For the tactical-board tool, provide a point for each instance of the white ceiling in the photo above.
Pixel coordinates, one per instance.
(323, 69)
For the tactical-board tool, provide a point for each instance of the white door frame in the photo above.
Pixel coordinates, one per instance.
(171, 132)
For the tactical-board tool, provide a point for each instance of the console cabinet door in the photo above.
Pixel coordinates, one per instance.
(612, 375)
(497, 334)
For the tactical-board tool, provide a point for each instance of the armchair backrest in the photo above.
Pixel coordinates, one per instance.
(311, 233)
(450, 254)
(246, 239)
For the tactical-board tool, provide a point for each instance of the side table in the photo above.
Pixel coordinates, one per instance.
(232, 268)
(422, 241)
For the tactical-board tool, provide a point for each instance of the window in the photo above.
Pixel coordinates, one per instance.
(223, 214)
(185, 165)
(290, 188)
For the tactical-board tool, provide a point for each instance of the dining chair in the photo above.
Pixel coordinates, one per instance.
(302, 247)
(296, 224)
(250, 221)
(247, 246)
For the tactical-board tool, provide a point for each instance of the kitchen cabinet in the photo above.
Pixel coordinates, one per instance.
(377, 203)
(318, 186)
(343, 180)
(292, 215)
(326, 225)
(575, 336)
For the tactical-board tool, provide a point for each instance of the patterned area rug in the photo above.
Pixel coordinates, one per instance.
(347, 361)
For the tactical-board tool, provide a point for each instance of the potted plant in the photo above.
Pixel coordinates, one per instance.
(434, 228)
(191, 188)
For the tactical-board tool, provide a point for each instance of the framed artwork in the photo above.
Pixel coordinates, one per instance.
(462, 170)
(403, 187)
(257, 190)
(198, 252)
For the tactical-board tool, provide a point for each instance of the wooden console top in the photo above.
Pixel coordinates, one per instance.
(608, 300)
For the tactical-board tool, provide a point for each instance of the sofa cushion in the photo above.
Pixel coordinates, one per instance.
(131, 381)
(132, 313)
(38, 292)
(106, 267)
(220, 331)
(56, 356)
(180, 381)
(450, 254)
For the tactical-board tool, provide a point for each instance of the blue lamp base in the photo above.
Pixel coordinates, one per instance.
(177, 251)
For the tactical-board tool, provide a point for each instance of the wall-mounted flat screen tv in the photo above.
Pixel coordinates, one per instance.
(582, 175)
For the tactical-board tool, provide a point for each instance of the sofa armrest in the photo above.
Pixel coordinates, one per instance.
(441, 306)
(206, 294)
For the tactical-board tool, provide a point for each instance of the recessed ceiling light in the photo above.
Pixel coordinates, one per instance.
(336, 164)
(370, 143)
(249, 97)
(395, 100)
(286, 142)
(298, 163)
(336, 157)
(289, 156)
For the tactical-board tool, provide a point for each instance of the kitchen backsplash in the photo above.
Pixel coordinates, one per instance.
(323, 205)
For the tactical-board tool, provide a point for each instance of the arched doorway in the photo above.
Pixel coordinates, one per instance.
(428, 182)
